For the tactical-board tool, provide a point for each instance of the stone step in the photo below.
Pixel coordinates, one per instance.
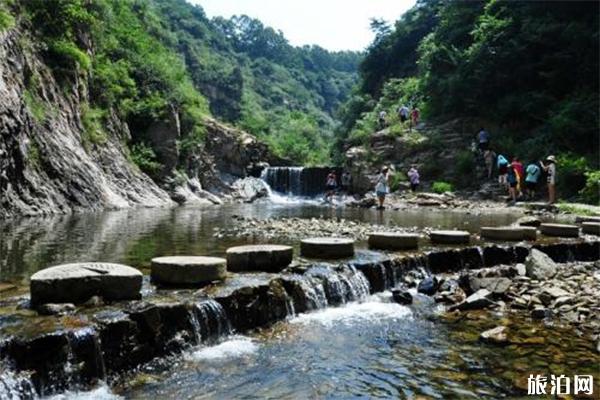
(262, 257)
(328, 247)
(187, 270)
(591, 228)
(561, 230)
(450, 237)
(393, 241)
(77, 283)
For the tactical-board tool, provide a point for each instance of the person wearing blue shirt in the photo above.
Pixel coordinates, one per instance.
(533, 171)
(484, 140)
(502, 164)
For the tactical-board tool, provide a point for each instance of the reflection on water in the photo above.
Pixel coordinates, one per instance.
(135, 236)
(375, 349)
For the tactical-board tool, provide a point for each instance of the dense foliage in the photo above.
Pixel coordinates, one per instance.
(528, 71)
(150, 58)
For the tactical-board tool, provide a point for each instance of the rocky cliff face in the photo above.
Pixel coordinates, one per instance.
(51, 163)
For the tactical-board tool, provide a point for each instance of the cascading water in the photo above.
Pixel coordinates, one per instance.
(211, 320)
(297, 181)
(338, 287)
(15, 386)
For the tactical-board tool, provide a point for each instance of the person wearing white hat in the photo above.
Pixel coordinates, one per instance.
(550, 169)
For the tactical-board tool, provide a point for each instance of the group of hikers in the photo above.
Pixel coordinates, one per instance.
(382, 183)
(518, 180)
(404, 114)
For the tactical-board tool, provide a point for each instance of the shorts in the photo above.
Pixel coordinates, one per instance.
(331, 187)
(551, 180)
(530, 185)
(403, 118)
(512, 184)
(381, 194)
(414, 186)
(503, 169)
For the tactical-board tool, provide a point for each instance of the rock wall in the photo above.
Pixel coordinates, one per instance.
(50, 163)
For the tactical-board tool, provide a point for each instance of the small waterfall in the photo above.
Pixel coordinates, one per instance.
(341, 286)
(15, 386)
(297, 181)
(211, 320)
(314, 292)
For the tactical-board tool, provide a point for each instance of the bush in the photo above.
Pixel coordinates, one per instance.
(591, 192)
(70, 54)
(395, 179)
(7, 21)
(571, 171)
(442, 187)
(35, 106)
(144, 157)
(93, 131)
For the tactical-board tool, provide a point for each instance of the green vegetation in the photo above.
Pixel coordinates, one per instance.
(396, 178)
(144, 157)
(33, 155)
(93, 130)
(591, 191)
(7, 21)
(527, 71)
(578, 209)
(442, 187)
(35, 105)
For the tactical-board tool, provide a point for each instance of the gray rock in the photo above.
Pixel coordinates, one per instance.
(327, 247)
(497, 286)
(186, 270)
(503, 233)
(76, 283)
(561, 230)
(476, 301)
(55, 309)
(402, 296)
(539, 265)
(267, 258)
(428, 286)
(521, 269)
(497, 335)
(529, 221)
(540, 313)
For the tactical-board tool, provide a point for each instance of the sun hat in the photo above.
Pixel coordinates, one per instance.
(551, 158)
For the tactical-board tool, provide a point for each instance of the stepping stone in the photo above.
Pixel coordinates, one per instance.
(529, 232)
(261, 257)
(393, 241)
(586, 218)
(188, 270)
(560, 230)
(503, 233)
(591, 228)
(76, 283)
(327, 248)
(450, 237)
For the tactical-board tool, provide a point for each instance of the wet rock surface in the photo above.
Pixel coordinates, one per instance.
(327, 247)
(266, 257)
(187, 270)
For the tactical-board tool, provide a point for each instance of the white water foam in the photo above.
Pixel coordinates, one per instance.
(373, 309)
(234, 347)
(102, 392)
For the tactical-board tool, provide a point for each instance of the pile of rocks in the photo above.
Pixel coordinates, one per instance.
(300, 228)
(567, 292)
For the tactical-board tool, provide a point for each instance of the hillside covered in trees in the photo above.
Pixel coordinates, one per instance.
(527, 71)
(146, 58)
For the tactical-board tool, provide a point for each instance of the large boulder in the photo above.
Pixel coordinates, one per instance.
(393, 241)
(539, 265)
(187, 270)
(327, 248)
(76, 283)
(262, 257)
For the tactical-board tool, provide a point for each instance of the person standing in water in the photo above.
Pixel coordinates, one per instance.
(382, 186)
(413, 176)
(550, 169)
(330, 185)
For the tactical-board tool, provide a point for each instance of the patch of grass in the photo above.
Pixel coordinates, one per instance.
(571, 208)
(33, 155)
(144, 157)
(93, 130)
(7, 21)
(442, 187)
(35, 105)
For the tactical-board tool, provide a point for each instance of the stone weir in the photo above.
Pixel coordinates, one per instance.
(42, 355)
(298, 181)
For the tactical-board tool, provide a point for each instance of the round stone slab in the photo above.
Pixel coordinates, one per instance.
(393, 241)
(450, 237)
(261, 257)
(591, 228)
(327, 247)
(503, 233)
(187, 270)
(529, 232)
(76, 283)
(585, 218)
(560, 230)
